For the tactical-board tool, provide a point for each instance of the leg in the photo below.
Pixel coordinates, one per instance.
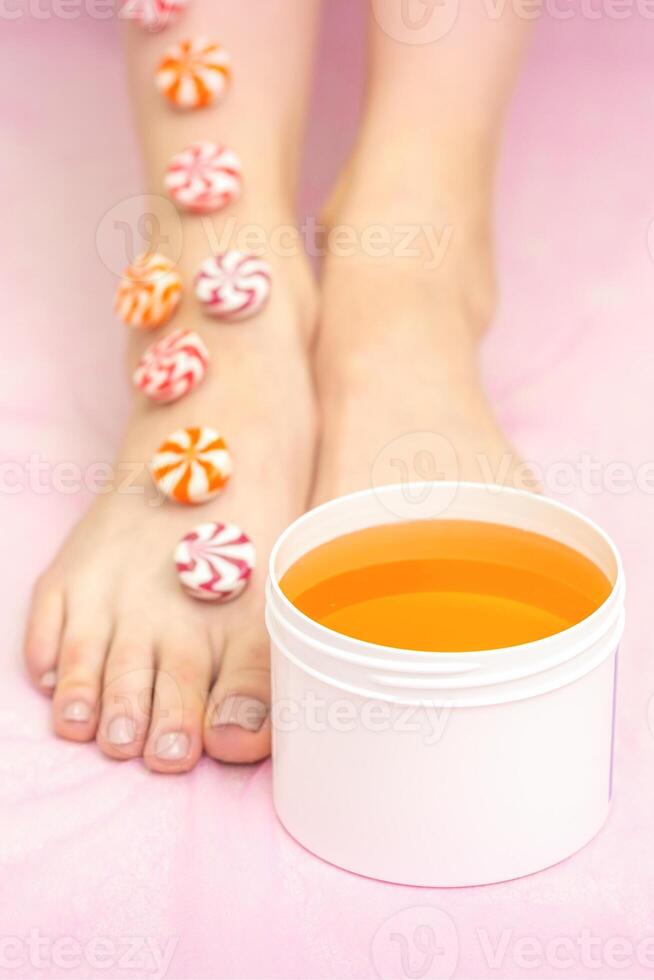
(397, 352)
(130, 660)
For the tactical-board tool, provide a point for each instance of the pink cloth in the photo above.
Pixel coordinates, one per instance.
(89, 848)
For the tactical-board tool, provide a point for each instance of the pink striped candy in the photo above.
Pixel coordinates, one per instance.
(215, 562)
(203, 178)
(172, 367)
(154, 14)
(234, 285)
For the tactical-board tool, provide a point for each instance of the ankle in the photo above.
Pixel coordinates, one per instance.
(431, 231)
(255, 225)
(401, 322)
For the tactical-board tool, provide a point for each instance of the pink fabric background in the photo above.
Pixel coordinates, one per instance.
(93, 849)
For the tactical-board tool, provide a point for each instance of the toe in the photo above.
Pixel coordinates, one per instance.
(43, 635)
(79, 674)
(237, 721)
(174, 742)
(127, 694)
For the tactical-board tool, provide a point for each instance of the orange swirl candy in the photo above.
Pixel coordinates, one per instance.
(192, 465)
(193, 74)
(149, 292)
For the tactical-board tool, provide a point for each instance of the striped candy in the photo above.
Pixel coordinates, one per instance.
(193, 74)
(192, 465)
(153, 14)
(233, 286)
(172, 367)
(204, 178)
(149, 292)
(215, 562)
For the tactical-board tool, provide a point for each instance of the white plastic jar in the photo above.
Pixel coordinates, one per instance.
(443, 769)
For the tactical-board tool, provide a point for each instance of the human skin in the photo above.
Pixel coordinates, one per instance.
(397, 359)
(128, 659)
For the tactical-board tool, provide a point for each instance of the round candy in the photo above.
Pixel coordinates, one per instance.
(149, 292)
(172, 367)
(192, 465)
(215, 562)
(153, 14)
(193, 74)
(204, 178)
(233, 286)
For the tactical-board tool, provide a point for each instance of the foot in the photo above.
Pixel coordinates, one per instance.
(127, 657)
(399, 384)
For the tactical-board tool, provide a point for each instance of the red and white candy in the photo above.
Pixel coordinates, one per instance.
(204, 178)
(192, 465)
(172, 367)
(154, 14)
(193, 74)
(149, 292)
(233, 286)
(215, 562)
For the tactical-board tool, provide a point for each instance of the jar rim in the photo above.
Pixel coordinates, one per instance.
(354, 648)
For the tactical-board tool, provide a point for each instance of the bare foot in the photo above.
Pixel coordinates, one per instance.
(397, 370)
(129, 659)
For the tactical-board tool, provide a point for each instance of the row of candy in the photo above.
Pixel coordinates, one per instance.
(231, 286)
(215, 560)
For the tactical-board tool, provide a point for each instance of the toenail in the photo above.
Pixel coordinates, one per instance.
(121, 730)
(247, 713)
(49, 679)
(172, 746)
(77, 711)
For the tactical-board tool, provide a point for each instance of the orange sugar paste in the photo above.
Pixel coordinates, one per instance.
(445, 585)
